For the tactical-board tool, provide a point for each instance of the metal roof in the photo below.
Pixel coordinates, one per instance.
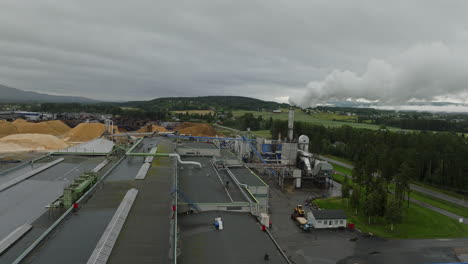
(329, 214)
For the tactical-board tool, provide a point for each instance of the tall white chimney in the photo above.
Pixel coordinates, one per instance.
(291, 124)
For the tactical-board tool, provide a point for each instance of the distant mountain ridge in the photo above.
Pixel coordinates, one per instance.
(13, 95)
(205, 103)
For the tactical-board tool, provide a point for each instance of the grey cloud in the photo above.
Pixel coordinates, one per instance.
(422, 73)
(126, 50)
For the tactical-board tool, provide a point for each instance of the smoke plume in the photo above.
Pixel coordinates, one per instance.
(424, 73)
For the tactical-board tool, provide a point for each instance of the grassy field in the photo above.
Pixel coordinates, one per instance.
(262, 133)
(339, 159)
(339, 178)
(342, 169)
(225, 132)
(447, 192)
(325, 119)
(442, 204)
(439, 203)
(199, 112)
(419, 222)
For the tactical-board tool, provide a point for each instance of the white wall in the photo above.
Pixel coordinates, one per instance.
(327, 223)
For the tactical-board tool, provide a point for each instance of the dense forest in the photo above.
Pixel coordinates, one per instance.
(101, 108)
(452, 122)
(460, 126)
(386, 162)
(206, 102)
(433, 158)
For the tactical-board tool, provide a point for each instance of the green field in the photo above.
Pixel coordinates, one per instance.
(262, 133)
(339, 178)
(436, 202)
(342, 169)
(325, 119)
(447, 192)
(225, 132)
(418, 222)
(442, 204)
(339, 159)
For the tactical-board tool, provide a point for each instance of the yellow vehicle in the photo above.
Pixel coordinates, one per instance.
(298, 211)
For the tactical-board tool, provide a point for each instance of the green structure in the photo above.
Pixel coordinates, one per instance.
(75, 190)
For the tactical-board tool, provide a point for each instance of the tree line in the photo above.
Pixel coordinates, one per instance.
(425, 124)
(386, 162)
(248, 120)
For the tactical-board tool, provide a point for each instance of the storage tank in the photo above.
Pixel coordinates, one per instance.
(322, 169)
(303, 143)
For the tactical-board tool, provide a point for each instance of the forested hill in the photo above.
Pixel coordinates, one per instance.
(13, 95)
(205, 103)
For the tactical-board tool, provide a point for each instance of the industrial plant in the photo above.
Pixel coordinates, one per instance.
(175, 193)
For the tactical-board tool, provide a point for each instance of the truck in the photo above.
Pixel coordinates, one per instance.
(298, 216)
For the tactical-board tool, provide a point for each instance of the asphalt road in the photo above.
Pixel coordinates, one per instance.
(412, 186)
(430, 207)
(442, 196)
(346, 247)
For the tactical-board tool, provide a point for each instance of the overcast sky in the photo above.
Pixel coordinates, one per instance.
(305, 51)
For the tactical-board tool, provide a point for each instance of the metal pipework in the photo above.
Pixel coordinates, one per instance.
(170, 155)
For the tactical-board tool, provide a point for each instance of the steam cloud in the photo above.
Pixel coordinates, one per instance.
(424, 73)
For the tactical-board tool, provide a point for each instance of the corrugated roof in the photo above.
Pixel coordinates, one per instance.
(329, 214)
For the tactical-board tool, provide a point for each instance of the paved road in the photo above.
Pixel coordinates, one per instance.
(442, 196)
(413, 187)
(428, 206)
(346, 247)
(437, 209)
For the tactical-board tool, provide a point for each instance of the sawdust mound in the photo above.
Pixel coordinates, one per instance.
(19, 120)
(184, 125)
(31, 142)
(7, 128)
(85, 132)
(152, 128)
(197, 129)
(56, 128)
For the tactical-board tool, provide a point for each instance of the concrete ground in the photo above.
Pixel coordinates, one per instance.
(26, 201)
(74, 240)
(25, 157)
(201, 185)
(13, 173)
(348, 247)
(145, 235)
(241, 241)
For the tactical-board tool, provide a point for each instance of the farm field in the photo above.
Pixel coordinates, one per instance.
(325, 119)
(198, 112)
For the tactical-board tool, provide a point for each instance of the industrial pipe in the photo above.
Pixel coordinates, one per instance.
(185, 162)
(167, 155)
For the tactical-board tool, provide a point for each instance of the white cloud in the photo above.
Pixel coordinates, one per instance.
(423, 73)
